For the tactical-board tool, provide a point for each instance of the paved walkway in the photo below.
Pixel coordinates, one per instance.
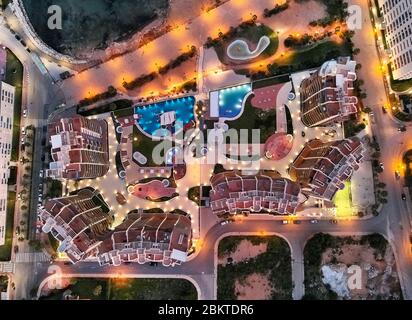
(27, 257)
(7, 267)
(160, 51)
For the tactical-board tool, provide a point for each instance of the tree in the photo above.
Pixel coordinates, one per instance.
(35, 245)
(367, 110)
(381, 185)
(355, 51)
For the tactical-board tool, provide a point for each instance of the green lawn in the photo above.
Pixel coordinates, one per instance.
(316, 55)
(144, 145)
(254, 118)
(14, 76)
(253, 33)
(270, 81)
(85, 288)
(128, 289)
(152, 289)
(343, 201)
(276, 262)
(5, 250)
(399, 85)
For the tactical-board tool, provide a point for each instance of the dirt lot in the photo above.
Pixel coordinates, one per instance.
(330, 279)
(254, 268)
(245, 250)
(254, 287)
(90, 27)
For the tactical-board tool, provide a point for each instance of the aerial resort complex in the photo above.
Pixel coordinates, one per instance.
(210, 150)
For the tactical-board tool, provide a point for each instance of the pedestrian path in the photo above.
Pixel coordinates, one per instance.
(27, 257)
(6, 267)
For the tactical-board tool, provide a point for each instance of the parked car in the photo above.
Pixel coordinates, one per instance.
(381, 166)
(403, 196)
(25, 113)
(224, 223)
(17, 230)
(402, 129)
(372, 117)
(23, 131)
(397, 175)
(384, 109)
(285, 222)
(314, 221)
(297, 222)
(41, 173)
(333, 221)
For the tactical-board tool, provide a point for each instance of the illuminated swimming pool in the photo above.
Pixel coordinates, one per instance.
(167, 117)
(231, 100)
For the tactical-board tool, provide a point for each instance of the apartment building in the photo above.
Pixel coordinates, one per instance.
(327, 96)
(79, 221)
(397, 15)
(148, 237)
(266, 192)
(321, 168)
(79, 148)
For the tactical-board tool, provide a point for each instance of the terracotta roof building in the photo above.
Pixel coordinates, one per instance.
(321, 168)
(148, 237)
(79, 148)
(78, 221)
(328, 96)
(266, 192)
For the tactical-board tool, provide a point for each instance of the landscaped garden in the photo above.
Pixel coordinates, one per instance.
(255, 118)
(254, 267)
(249, 31)
(145, 146)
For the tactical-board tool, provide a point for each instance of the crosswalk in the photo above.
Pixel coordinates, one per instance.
(27, 257)
(6, 267)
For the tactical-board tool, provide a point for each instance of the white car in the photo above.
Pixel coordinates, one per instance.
(41, 173)
(25, 113)
(314, 221)
(285, 221)
(224, 222)
(23, 131)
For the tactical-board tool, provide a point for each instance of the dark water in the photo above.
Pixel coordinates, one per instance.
(89, 24)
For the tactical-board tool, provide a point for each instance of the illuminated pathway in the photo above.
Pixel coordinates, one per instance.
(160, 51)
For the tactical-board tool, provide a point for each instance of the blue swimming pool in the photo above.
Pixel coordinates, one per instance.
(167, 117)
(231, 100)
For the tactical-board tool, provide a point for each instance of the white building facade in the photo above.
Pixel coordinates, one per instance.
(397, 16)
(7, 93)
